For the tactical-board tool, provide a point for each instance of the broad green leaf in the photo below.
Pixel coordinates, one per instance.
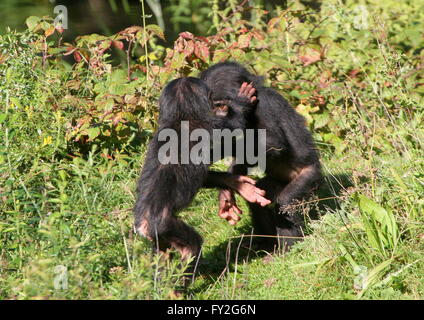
(321, 120)
(156, 30)
(93, 133)
(380, 224)
(32, 22)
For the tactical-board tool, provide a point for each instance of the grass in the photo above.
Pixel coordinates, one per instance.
(93, 238)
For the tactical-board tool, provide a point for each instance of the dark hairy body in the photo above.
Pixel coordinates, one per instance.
(165, 189)
(292, 163)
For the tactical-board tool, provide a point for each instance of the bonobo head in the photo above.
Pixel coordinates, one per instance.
(184, 99)
(224, 80)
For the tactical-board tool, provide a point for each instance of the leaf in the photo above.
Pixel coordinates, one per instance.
(202, 52)
(132, 30)
(220, 55)
(337, 143)
(104, 45)
(244, 41)
(305, 111)
(49, 31)
(274, 24)
(156, 30)
(93, 133)
(311, 56)
(380, 224)
(237, 54)
(186, 35)
(77, 56)
(178, 61)
(118, 44)
(189, 48)
(3, 117)
(32, 22)
(16, 102)
(321, 120)
(257, 34)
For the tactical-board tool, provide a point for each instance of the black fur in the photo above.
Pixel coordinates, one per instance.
(163, 190)
(290, 148)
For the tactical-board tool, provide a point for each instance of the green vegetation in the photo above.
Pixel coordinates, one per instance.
(73, 139)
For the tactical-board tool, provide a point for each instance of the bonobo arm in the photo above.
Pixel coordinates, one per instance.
(239, 108)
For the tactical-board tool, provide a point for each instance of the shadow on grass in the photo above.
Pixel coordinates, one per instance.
(241, 249)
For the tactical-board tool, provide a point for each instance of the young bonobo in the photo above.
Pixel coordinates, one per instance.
(166, 188)
(292, 162)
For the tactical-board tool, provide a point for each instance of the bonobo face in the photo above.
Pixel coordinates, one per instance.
(219, 102)
(220, 108)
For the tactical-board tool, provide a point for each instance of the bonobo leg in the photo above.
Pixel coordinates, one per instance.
(173, 233)
(183, 238)
(268, 221)
(302, 181)
(170, 232)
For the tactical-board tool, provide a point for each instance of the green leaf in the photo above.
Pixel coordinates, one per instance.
(93, 133)
(156, 30)
(32, 22)
(380, 224)
(321, 120)
(16, 102)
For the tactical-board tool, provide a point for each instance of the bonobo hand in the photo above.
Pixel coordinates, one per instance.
(247, 91)
(245, 186)
(228, 208)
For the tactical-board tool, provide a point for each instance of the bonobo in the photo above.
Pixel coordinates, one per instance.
(166, 188)
(292, 163)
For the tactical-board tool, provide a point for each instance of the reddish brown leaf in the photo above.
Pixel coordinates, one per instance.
(204, 53)
(77, 56)
(69, 51)
(49, 31)
(258, 35)
(189, 48)
(310, 57)
(186, 35)
(353, 73)
(118, 45)
(244, 41)
(132, 30)
(203, 39)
